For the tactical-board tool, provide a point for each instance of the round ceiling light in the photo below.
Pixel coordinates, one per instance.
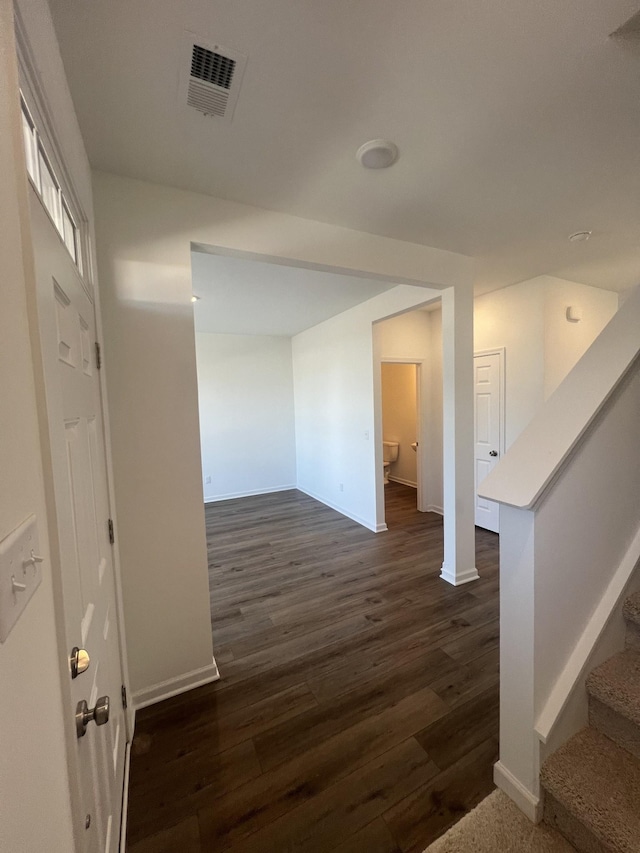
(580, 236)
(377, 154)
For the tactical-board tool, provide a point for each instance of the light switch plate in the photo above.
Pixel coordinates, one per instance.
(20, 574)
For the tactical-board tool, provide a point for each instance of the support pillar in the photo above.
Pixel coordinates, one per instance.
(459, 564)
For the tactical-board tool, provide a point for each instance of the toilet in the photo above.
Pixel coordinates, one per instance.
(389, 455)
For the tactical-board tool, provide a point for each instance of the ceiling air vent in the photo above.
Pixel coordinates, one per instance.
(213, 79)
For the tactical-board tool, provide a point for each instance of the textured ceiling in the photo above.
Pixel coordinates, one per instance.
(518, 122)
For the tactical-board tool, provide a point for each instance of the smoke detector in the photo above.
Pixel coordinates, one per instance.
(211, 77)
(580, 236)
(377, 154)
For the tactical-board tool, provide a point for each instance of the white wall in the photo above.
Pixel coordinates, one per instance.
(34, 785)
(529, 320)
(514, 318)
(400, 418)
(336, 418)
(564, 341)
(245, 391)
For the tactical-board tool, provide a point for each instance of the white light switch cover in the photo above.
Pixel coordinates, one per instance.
(17, 570)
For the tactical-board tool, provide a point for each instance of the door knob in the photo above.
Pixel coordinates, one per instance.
(79, 661)
(493, 453)
(84, 715)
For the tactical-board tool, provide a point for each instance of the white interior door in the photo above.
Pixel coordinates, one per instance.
(488, 428)
(74, 415)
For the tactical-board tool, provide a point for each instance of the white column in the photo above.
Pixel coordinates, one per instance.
(459, 564)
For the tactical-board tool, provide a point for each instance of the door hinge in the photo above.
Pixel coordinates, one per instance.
(124, 697)
(112, 535)
(98, 356)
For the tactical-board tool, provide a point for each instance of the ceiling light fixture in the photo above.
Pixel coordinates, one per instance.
(580, 236)
(195, 298)
(377, 154)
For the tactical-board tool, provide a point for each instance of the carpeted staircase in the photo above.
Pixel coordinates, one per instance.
(592, 783)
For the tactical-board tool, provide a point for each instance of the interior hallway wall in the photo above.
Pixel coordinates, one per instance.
(400, 418)
(245, 391)
(514, 318)
(564, 341)
(337, 422)
(529, 320)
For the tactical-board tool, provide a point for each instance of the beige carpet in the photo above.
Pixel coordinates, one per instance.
(498, 826)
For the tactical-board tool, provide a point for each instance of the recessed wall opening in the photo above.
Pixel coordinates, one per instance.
(290, 361)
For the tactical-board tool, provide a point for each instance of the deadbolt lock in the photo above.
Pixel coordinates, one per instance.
(79, 661)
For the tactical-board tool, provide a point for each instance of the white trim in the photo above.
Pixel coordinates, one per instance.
(376, 528)
(403, 482)
(124, 813)
(174, 686)
(459, 578)
(233, 495)
(434, 508)
(578, 662)
(528, 803)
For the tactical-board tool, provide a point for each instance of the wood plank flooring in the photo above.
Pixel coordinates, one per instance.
(358, 706)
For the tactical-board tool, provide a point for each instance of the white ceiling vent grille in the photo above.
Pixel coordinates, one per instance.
(212, 67)
(213, 78)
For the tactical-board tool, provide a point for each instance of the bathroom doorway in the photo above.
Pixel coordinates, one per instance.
(401, 407)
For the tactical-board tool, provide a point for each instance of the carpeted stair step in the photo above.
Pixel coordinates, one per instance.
(614, 699)
(592, 794)
(631, 611)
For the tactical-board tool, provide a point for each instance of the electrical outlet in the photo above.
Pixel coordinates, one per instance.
(207, 481)
(341, 487)
(366, 435)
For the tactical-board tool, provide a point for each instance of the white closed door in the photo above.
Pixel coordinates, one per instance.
(488, 439)
(76, 438)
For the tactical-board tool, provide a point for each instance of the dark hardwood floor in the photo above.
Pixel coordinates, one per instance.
(358, 706)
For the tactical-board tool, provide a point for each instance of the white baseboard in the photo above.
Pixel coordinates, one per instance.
(125, 798)
(528, 803)
(376, 528)
(458, 578)
(403, 482)
(232, 495)
(434, 508)
(174, 686)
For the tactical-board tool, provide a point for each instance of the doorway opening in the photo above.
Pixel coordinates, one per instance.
(400, 395)
(408, 349)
